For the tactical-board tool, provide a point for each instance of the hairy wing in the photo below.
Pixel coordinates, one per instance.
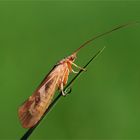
(32, 109)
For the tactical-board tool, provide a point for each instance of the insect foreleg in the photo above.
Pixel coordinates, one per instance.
(77, 67)
(74, 71)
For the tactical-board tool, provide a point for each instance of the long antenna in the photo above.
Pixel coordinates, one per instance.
(103, 34)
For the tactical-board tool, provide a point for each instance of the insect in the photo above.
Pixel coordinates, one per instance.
(31, 111)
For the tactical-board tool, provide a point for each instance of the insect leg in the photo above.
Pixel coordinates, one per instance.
(68, 90)
(74, 71)
(77, 67)
(62, 84)
(62, 90)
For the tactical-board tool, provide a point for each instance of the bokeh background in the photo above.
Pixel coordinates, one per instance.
(105, 102)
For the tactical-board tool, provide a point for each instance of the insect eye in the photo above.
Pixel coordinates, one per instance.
(72, 58)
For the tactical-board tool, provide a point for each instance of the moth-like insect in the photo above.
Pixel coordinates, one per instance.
(31, 111)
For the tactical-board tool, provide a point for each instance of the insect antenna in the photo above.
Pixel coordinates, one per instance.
(103, 34)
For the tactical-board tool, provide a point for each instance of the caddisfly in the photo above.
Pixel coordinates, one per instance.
(31, 111)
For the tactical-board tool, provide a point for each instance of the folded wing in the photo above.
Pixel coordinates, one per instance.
(32, 110)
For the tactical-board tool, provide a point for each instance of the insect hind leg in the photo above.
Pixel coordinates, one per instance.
(64, 93)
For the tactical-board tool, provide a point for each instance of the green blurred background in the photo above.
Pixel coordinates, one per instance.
(105, 102)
